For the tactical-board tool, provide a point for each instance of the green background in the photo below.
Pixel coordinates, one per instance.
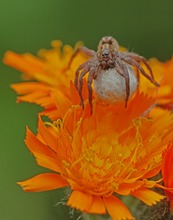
(146, 27)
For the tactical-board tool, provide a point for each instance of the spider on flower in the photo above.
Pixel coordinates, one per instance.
(111, 70)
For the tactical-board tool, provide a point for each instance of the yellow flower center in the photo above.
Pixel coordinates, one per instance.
(99, 168)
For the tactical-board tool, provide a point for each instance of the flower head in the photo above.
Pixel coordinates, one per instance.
(113, 151)
(49, 78)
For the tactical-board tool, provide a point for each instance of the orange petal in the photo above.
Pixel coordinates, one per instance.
(124, 116)
(168, 167)
(52, 113)
(43, 182)
(34, 93)
(61, 101)
(97, 206)
(27, 87)
(48, 162)
(127, 188)
(75, 95)
(26, 63)
(38, 98)
(36, 146)
(47, 136)
(143, 107)
(80, 200)
(152, 172)
(116, 209)
(147, 196)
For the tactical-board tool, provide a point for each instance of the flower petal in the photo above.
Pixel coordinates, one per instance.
(168, 166)
(38, 98)
(36, 146)
(97, 205)
(48, 162)
(51, 113)
(80, 200)
(127, 188)
(34, 92)
(26, 63)
(43, 182)
(47, 136)
(168, 174)
(116, 209)
(148, 196)
(27, 87)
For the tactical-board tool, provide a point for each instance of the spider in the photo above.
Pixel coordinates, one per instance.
(108, 57)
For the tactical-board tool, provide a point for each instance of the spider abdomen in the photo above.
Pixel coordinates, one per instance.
(110, 86)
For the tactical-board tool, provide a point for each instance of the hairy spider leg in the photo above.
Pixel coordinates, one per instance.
(137, 65)
(138, 76)
(118, 68)
(125, 74)
(84, 50)
(90, 80)
(127, 82)
(138, 59)
(83, 73)
(76, 80)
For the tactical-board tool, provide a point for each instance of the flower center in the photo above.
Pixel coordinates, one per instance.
(99, 166)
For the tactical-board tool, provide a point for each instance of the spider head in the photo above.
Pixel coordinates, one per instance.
(106, 47)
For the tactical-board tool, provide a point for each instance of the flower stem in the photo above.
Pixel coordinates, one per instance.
(93, 217)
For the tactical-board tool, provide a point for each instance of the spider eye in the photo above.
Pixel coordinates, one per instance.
(103, 42)
(110, 41)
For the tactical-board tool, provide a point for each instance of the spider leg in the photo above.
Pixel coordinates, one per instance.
(137, 66)
(90, 80)
(127, 82)
(125, 74)
(138, 77)
(118, 68)
(76, 80)
(138, 59)
(83, 73)
(84, 50)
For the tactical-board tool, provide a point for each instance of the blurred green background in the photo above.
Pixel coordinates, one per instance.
(146, 27)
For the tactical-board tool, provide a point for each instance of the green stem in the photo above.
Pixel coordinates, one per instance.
(93, 217)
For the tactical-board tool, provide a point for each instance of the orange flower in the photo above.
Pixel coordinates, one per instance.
(51, 86)
(113, 151)
(167, 173)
